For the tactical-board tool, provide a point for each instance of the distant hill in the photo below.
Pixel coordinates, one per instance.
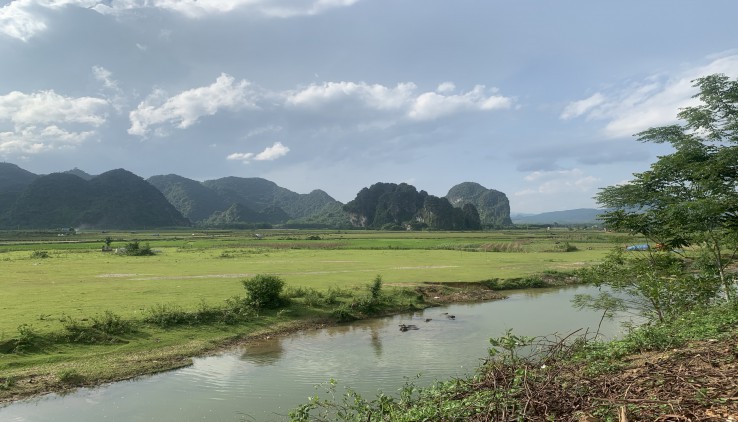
(492, 205)
(193, 199)
(232, 200)
(392, 206)
(77, 172)
(575, 216)
(13, 180)
(117, 199)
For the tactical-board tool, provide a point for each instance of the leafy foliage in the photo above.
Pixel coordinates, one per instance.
(658, 285)
(493, 205)
(264, 291)
(689, 198)
(390, 206)
(115, 199)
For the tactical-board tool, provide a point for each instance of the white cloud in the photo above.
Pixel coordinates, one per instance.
(32, 139)
(654, 101)
(431, 105)
(577, 108)
(186, 108)
(22, 19)
(558, 182)
(272, 153)
(269, 154)
(200, 8)
(46, 120)
(400, 100)
(374, 96)
(46, 107)
(446, 87)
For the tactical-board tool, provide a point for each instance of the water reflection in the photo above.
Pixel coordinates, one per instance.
(263, 352)
(266, 379)
(376, 341)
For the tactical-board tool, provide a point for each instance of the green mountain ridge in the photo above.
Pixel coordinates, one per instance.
(117, 199)
(121, 199)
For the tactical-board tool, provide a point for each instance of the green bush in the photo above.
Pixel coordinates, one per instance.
(39, 255)
(70, 376)
(166, 315)
(135, 249)
(264, 291)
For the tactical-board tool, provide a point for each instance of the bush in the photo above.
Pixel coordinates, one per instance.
(264, 291)
(70, 376)
(39, 255)
(135, 249)
(166, 315)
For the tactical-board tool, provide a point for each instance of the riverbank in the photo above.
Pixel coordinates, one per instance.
(63, 367)
(685, 370)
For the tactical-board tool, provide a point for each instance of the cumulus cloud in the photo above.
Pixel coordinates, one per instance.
(401, 100)
(269, 154)
(186, 108)
(22, 19)
(577, 108)
(46, 107)
(558, 182)
(432, 105)
(654, 101)
(200, 8)
(46, 120)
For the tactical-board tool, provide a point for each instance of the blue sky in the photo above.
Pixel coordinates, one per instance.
(536, 99)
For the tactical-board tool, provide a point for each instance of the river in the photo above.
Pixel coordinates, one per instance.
(266, 379)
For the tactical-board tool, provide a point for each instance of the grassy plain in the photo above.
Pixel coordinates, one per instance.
(193, 270)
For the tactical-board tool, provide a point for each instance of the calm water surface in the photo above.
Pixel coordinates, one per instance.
(266, 379)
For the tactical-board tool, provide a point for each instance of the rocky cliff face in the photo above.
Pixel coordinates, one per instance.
(492, 205)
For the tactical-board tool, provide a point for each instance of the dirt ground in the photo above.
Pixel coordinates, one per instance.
(698, 382)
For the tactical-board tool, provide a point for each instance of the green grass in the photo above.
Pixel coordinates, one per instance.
(75, 284)
(77, 280)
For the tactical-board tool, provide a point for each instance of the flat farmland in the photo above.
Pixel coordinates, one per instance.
(78, 280)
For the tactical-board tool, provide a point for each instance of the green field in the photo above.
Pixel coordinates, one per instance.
(76, 280)
(79, 280)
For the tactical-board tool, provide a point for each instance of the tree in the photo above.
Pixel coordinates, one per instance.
(689, 198)
(264, 291)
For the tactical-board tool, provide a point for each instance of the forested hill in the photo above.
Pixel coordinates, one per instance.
(121, 199)
(231, 201)
(393, 206)
(493, 205)
(117, 199)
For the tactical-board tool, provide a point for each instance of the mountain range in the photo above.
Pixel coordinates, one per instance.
(119, 199)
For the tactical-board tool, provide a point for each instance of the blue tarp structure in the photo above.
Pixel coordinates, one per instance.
(643, 247)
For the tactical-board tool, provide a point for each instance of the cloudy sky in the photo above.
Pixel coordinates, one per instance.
(538, 99)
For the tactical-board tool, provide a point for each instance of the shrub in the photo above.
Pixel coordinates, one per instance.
(165, 315)
(70, 376)
(264, 291)
(112, 324)
(343, 314)
(39, 255)
(376, 288)
(28, 339)
(135, 249)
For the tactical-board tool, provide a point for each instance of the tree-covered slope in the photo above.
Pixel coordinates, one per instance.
(493, 205)
(389, 205)
(13, 180)
(190, 197)
(117, 199)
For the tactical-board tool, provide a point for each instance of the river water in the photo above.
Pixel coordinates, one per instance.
(265, 380)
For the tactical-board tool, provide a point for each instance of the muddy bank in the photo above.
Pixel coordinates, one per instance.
(63, 377)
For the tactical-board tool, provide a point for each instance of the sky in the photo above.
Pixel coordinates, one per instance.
(537, 99)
